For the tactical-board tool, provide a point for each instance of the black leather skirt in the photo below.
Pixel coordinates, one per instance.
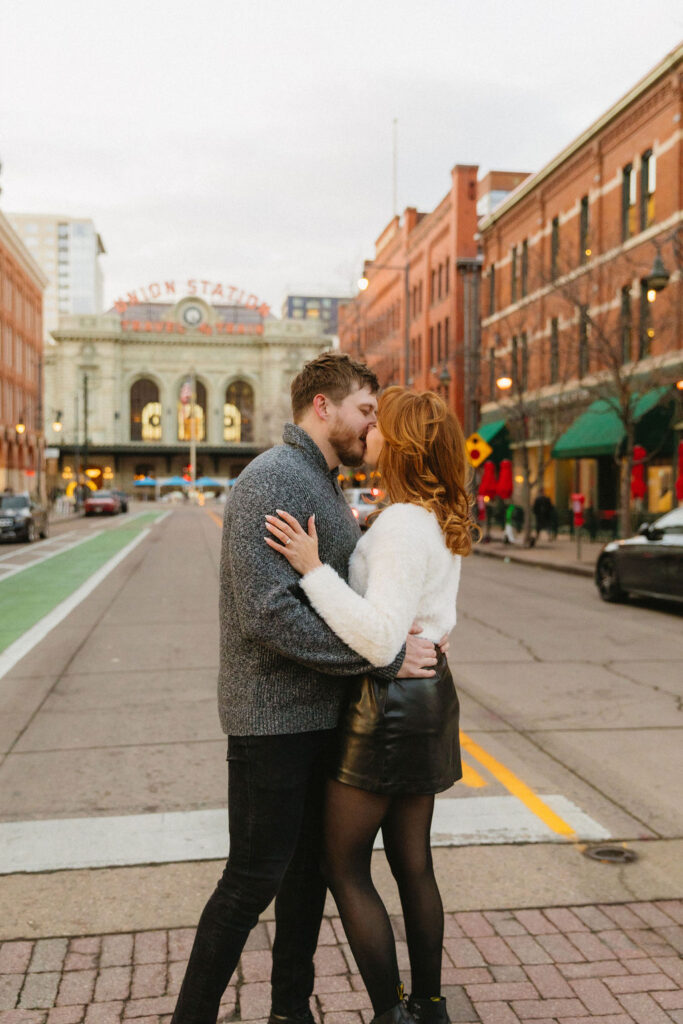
(401, 737)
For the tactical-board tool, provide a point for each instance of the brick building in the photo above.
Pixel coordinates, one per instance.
(427, 264)
(569, 315)
(21, 353)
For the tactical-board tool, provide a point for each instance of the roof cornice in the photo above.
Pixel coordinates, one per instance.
(639, 89)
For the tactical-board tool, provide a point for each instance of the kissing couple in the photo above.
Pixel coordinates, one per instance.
(335, 692)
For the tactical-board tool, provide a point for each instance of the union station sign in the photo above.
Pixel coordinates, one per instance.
(212, 291)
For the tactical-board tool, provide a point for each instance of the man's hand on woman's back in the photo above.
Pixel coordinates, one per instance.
(420, 656)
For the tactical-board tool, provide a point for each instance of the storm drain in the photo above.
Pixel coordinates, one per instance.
(610, 854)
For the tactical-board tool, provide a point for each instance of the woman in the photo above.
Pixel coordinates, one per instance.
(398, 742)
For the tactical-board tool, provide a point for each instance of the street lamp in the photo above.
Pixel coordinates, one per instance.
(57, 424)
(659, 276)
(405, 270)
(504, 383)
(20, 427)
(445, 380)
(657, 279)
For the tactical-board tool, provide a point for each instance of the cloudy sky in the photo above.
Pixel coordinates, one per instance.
(251, 143)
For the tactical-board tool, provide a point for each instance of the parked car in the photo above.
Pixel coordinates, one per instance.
(101, 503)
(22, 518)
(650, 563)
(363, 502)
(123, 498)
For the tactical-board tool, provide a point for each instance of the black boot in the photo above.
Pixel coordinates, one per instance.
(429, 1011)
(396, 1015)
(299, 1018)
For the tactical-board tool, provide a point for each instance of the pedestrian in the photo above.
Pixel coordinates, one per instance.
(512, 524)
(398, 741)
(282, 679)
(543, 510)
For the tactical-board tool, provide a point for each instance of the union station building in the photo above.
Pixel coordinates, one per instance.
(128, 392)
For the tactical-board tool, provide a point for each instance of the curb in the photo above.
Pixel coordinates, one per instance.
(572, 570)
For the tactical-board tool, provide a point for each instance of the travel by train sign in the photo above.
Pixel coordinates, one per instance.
(214, 292)
(170, 327)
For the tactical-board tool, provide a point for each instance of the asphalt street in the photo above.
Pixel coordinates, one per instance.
(112, 763)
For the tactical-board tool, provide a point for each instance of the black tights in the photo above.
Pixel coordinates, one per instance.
(353, 818)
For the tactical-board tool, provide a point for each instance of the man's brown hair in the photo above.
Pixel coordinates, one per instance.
(333, 374)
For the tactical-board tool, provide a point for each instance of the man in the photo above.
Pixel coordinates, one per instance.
(281, 683)
(543, 513)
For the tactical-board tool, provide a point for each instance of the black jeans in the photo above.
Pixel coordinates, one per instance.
(276, 786)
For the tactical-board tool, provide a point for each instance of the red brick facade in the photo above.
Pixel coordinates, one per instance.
(567, 254)
(438, 248)
(21, 350)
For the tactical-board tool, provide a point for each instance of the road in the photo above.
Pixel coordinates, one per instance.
(112, 763)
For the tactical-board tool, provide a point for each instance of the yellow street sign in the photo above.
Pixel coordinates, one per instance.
(477, 449)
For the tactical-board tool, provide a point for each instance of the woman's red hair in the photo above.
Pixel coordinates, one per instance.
(423, 461)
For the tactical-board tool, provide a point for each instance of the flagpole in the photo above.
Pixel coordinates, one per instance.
(193, 439)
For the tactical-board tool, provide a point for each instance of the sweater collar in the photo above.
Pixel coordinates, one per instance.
(298, 438)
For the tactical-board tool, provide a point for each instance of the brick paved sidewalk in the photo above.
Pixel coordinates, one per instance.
(615, 964)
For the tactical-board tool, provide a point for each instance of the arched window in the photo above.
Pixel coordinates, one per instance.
(145, 411)
(238, 412)
(191, 415)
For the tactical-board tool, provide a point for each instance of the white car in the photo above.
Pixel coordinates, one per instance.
(364, 501)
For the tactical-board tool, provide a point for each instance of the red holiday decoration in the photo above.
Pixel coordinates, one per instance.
(488, 487)
(638, 484)
(505, 480)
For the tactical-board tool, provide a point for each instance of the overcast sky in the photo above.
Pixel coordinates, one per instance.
(251, 143)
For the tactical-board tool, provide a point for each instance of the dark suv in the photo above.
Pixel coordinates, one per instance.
(22, 518)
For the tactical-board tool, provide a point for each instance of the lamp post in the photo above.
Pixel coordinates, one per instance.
(655, 282)
(405, 270)
(470, 271)
(445, 382)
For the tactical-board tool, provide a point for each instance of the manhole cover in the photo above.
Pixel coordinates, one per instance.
(611, 854)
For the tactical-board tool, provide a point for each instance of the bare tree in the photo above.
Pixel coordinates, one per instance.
(622, 335)
(536, 416)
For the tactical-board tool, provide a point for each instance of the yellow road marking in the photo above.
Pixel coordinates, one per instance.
(471, 777)
(517, 788)
(216, 519)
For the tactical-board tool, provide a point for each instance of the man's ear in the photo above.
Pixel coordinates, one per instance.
(320, 405)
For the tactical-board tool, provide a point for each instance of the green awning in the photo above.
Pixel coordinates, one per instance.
(599, 430)
(490, 430)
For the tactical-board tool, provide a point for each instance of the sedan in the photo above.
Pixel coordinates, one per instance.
(363, 503)
(123, 498)
(102, 503)
(650, 563)
(22, 518)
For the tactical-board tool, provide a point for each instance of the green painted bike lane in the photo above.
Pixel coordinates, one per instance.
(31, 594)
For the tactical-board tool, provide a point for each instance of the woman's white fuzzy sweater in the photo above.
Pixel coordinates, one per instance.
(400, 572)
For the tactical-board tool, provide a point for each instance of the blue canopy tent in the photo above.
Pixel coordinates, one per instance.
(208, 481)
(173, 481)
(146, 481)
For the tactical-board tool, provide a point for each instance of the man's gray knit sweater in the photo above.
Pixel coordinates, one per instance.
(282, 669)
